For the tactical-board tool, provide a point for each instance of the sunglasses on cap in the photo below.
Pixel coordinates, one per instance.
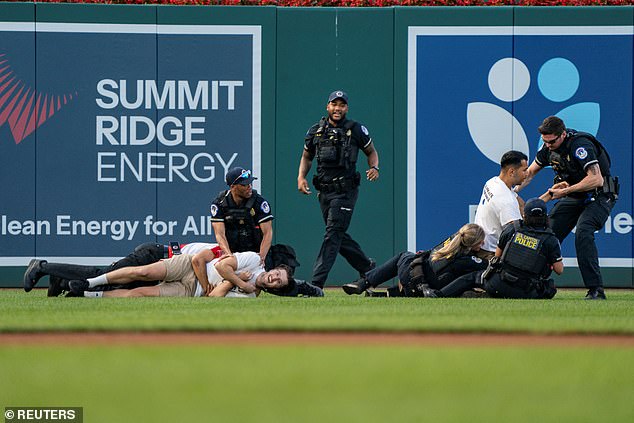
(244, 175)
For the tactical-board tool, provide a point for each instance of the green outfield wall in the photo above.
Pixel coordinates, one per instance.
(304, 54)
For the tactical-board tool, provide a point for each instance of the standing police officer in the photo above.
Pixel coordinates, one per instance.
(336, 142)
(587, 197)
(241, 217)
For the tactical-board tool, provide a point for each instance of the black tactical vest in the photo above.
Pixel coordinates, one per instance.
(570, 170)
(241, 229)
(334, 149)
(522, 255)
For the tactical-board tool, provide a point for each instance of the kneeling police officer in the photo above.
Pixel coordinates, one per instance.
(526, 255)
(242, 218)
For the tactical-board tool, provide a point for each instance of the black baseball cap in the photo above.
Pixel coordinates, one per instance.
(338, 94)
(535, 208)
(239, 176)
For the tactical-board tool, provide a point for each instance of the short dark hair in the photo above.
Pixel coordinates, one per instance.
(552, 125)
(290, 288)
(512, 158)
(289, 275)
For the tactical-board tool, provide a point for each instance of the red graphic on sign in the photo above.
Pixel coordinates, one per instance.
(23, 107)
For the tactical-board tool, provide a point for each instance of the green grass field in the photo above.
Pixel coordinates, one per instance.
(567, 313)
(322, 383)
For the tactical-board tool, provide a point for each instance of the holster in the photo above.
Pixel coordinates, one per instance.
(493, 267)
(611, 186)
(338, 185)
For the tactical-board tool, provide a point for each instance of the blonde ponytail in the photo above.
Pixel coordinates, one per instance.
(468, 237)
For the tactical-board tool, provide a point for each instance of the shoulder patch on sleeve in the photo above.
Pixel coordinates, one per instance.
(581, 153)
(365, 130)
(476, 259)
(265, 207)
(214, 210)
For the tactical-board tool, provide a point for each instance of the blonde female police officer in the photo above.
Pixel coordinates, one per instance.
(431, 268)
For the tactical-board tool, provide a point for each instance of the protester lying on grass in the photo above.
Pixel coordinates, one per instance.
(148, 253)
(186, 275)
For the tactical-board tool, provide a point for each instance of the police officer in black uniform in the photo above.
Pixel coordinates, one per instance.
(433, 268)
(526, 255)
(61, 273)
(241, 217)
(335, 141)
(586, 196)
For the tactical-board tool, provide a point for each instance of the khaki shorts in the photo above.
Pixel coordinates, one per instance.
(180, 280)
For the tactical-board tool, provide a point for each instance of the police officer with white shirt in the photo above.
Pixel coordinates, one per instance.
(587, 192)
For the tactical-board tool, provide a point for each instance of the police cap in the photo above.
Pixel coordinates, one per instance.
(239, 176)
(535, 208)
(338, 94)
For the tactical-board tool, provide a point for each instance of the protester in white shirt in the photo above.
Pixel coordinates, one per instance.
(187, 275)
(499, 204)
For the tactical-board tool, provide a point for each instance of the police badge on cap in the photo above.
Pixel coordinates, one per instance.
(338, 94)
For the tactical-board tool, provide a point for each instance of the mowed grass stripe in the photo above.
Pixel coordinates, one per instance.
(568, 313)
(323, 383)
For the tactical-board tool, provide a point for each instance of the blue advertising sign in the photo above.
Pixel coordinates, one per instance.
(113, 134)
(476, 92)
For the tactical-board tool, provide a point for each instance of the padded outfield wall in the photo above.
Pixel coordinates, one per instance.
(117, 123)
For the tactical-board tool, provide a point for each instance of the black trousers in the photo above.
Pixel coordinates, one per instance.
(462, 284)
(496, 287)
(336, 210)
(588, 216)
(147, 253)
(397, 266)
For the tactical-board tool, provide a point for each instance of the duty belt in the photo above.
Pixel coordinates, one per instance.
(611, 186)
(340, 184)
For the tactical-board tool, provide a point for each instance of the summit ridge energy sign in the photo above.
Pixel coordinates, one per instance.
(112, 135)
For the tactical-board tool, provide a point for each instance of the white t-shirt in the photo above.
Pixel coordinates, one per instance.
(247, 262)
(498, 206)
(196, 247)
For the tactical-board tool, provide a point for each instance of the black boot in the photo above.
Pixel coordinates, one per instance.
(33, 274)
(394, 292)
(57, 286)
(430, 293)
(596, 293)
(356, 287)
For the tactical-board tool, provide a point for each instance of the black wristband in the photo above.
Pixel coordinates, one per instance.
(375, 167)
